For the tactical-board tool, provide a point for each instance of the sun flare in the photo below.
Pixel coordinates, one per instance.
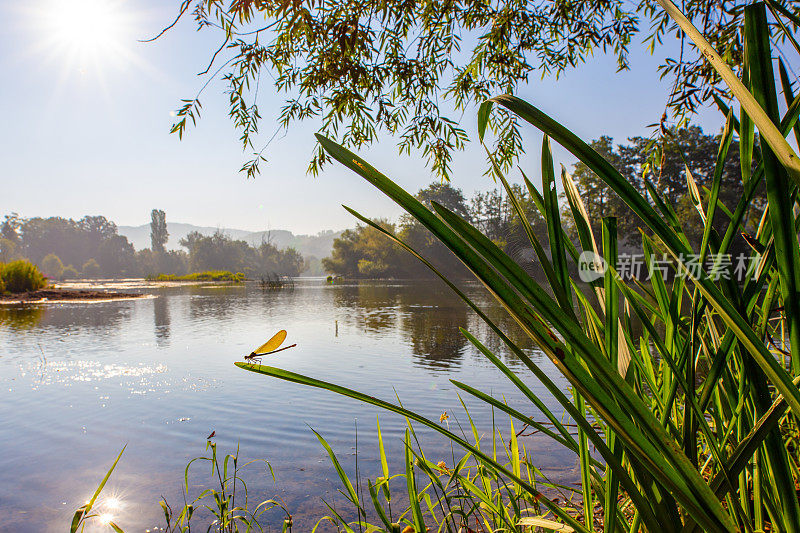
(84, 32)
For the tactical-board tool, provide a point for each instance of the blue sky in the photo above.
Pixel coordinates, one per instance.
(91, 135)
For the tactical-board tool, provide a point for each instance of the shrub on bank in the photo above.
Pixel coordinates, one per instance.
(21, 276)
(209, 275)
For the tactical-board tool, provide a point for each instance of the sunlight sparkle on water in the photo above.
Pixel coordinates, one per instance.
(113, 503)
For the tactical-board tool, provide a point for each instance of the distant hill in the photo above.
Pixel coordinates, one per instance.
(318, 245)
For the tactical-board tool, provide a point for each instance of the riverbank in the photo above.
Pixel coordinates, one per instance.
(60, 295)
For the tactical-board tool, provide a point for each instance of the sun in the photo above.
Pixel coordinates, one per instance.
(83, 27)
(84, 34)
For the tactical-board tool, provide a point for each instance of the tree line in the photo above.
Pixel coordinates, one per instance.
(91, 247)
(364, 253)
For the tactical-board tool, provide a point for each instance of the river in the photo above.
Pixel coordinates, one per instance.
(81, 380)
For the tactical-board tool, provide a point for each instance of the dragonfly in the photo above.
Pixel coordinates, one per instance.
(270, 347)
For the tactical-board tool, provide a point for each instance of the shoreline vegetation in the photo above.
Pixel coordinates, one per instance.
(22, 282)
(58, 295)
(209, 275)
(92, 248)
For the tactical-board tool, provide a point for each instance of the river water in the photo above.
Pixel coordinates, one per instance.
(79, 381)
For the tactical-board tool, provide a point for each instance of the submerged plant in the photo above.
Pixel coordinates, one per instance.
(687, 423)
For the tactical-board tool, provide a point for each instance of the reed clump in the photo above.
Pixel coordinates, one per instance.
(687, 423)
(21, 276)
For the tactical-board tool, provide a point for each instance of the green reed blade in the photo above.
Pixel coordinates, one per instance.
(577, 340)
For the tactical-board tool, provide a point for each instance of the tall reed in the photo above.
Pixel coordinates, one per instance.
(690, 424)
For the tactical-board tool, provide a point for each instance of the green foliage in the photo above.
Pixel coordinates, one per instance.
(663, 166)
(52, 266)
(362, 253)
(220, 252)
(226, 499)
(158, 230)
(89, 511)
(22, 276)
(687, 421)
(149, 263)
(210, 275)
(73, 241)
(365, 68)
(90, 269)
(70, 272)
(8, 250)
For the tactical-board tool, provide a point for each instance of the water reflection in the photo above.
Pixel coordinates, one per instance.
(105, 315)
(83, 379)
(217, 303)
(371, 308)
(161, 320)
(431, 319)
(428, 316)
(20, 317)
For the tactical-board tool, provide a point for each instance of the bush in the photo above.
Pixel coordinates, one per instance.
(22, 276)
(209, 275)
(70, 272)
(91, 269)
(52, 266)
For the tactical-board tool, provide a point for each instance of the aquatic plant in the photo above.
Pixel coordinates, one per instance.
(88, 512)
(22, 276)
(225, 506)
(687, 423)
(274, 281)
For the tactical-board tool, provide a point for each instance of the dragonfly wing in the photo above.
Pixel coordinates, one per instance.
(273, 343)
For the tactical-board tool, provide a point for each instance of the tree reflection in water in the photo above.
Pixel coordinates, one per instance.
(161, 320)
(428, 315)
(21, 317)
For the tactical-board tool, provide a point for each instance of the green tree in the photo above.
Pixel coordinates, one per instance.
(600, 201)
(664, 165)
(70, 272)
(91, 269)
(116, 256)
(158, 230)
(52, 267)
(8, 250)
(9, 229)
(76, 241)
(407, 68)
(364, 253)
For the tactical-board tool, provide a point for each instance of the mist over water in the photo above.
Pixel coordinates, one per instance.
(79, 381)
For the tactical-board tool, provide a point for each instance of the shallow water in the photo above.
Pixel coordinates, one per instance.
(79, 381)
